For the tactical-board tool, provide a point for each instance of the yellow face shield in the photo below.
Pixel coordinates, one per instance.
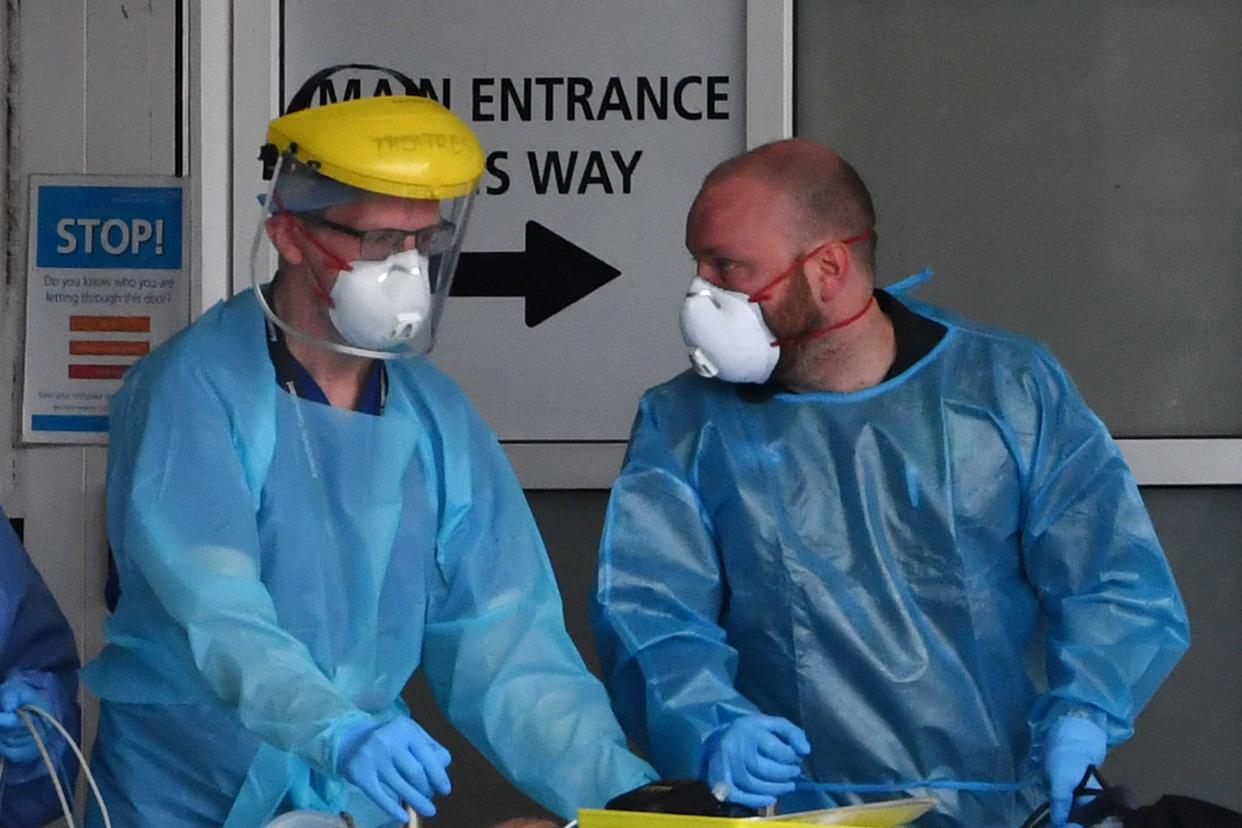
(399, 145)
(368, 203)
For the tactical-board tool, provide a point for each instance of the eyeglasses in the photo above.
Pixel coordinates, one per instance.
(378, 244)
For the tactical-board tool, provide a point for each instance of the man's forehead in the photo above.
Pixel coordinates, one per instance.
(736, 200)
(737, 191)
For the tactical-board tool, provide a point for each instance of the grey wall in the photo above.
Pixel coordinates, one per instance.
(1071, 170)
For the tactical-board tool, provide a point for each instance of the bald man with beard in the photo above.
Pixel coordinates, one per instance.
(869, 548)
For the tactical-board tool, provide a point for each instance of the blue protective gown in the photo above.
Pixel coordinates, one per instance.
(34, 636)
(925, 575)
(286, 566)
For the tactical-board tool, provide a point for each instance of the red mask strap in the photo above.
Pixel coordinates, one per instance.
(835, 326)
(330, 258)
(764, 293)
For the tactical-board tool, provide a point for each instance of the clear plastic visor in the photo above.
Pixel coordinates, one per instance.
(358, 272)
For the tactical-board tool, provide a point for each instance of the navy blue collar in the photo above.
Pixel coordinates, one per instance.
(292, 376)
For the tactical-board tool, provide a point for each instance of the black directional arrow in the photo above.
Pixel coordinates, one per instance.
(552, 273)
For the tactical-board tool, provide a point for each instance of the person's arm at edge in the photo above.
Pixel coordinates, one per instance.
(34, 636)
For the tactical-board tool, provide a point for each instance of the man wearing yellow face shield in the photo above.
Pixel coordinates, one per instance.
(305, 511)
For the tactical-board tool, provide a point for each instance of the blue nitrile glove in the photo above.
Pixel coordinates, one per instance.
(30, 687)
(1073, 744)
(754, 759)
(395, 763)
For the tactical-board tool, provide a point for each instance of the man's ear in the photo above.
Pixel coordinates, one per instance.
(827, 270)
(283, 231)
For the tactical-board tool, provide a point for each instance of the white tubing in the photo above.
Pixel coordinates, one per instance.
(51, 768)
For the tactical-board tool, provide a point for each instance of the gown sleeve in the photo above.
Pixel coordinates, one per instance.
(656, 608)
(182, 517)
(1116, 622)
(496, 653)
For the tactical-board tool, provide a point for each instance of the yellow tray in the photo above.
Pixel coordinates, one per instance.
(874, 815)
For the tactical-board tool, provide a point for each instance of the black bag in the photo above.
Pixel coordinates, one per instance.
(1182, 812)
(1169, 812)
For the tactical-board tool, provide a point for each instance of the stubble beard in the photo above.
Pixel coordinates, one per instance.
(796, 316)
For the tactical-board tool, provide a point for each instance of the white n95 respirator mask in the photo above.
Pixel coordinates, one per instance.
(383, 305)
(727, 335)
